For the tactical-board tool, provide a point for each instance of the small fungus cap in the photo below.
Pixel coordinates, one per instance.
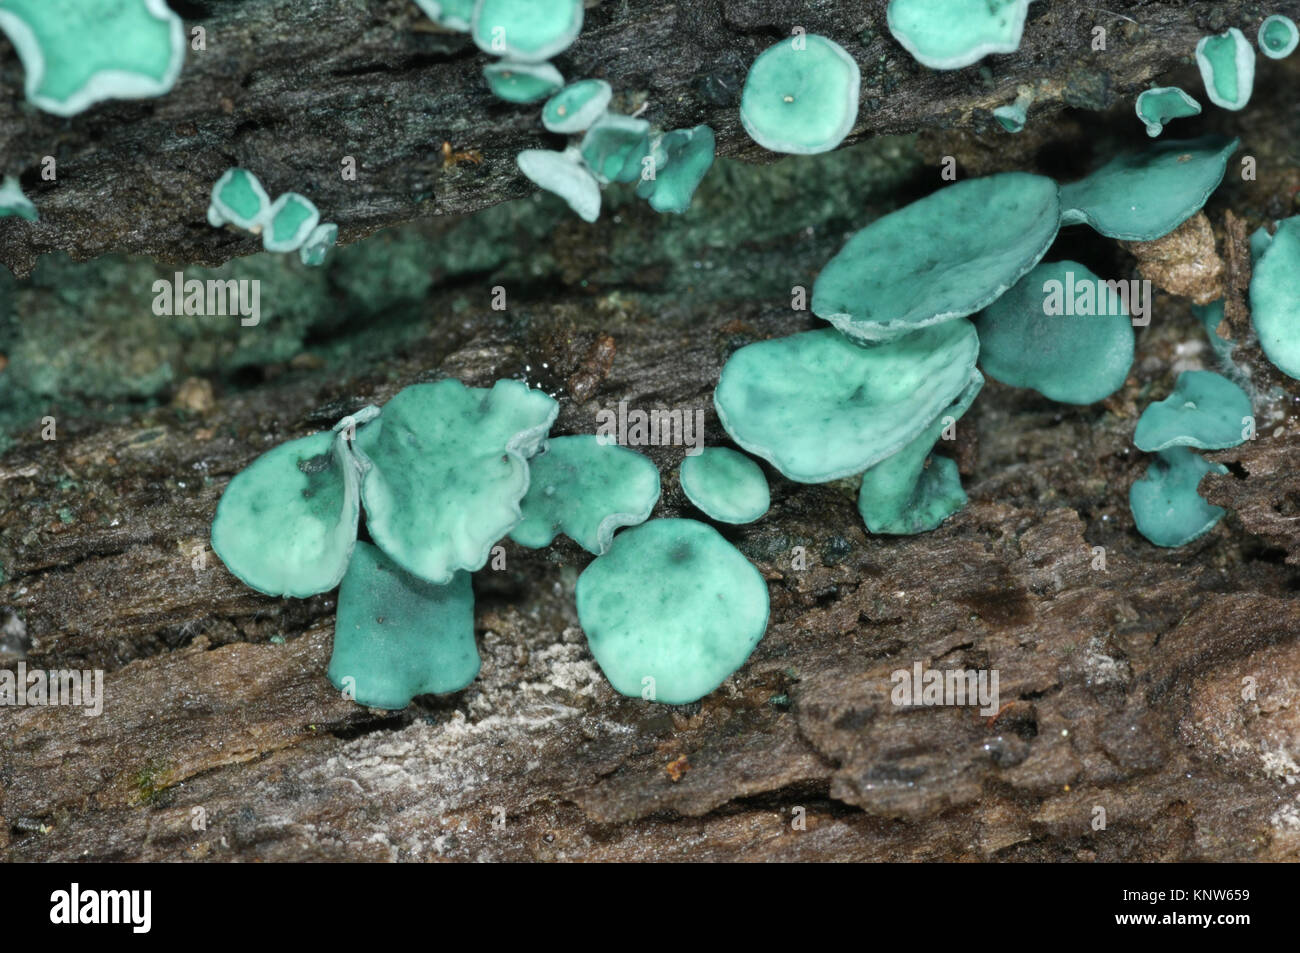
(727, 486)
(578, 105)
(950, 34)
(564, 174)
(801, 96)
(1012, 116)
(287, 523)
(614, 147)
(1061, 331)
(453, 14)
(585, 489)
(239, 199)
(1145, 195)
(80, 52)
(317, 247)
(1206, 411)
(1159, 104)
(687, 157)
(447, 467)
(396, 636)
(289, 222)
(671, 610)
(819, 407)
(526, 30)
(1275, 298)
(14, 202)
(943, 257)
(1278, 36)
(1227, 65)
(1166, 507)
(518, 82)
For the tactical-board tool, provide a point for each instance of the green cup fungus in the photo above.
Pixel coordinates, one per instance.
(585, 489)
(290, 220)
(614, 147)
(1227, 65)
(1260, 239)
(725, 485)
(950, 34)
(671, 610)
(913, 491)
(1278, 36)
(801, 96)
(565, 174)
(1206, 411)
(819, 407)
(286, 525)
(1012, 116)
(1060, 331)
(1166, 507)
(528, 31)
(574, 108)
(238, 199)
(445, 469)
(396, 636)
(453, 14)
(1159, 104)
(290, 223)
(1211, 317)
(681, 160)
(317, 247)
(14, 202)
(1142, 196)
(943, 257)
(80, 52)
(518, 82)
(1275, 298)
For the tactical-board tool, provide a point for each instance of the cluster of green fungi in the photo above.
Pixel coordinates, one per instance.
(604, 146)
(922, 304)
(443, 472)
(290, 223)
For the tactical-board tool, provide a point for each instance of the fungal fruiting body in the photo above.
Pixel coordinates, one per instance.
(1159, 104)
(586, 489)
(1078, 354)
(1142, 196)
(950, 34)
(443, 472)
(725, 485)
(943, 257)
(1227, 65)
(1205, 412)
(1275, 297)
(801, 95)
(671, 610)
(1278, 36)
(564, 174)
(80, 52)
(14, 202)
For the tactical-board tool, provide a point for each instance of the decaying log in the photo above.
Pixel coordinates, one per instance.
(1159, 686)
